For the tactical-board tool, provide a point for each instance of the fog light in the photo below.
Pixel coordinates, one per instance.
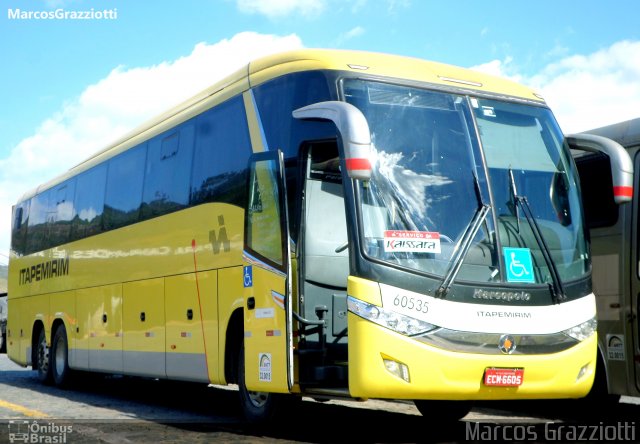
(584, 371)
(397, 369)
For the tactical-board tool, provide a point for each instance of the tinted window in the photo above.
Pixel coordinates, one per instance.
(264, 212)
(41, 213)
(278, 98)
(125, 176)
(89, 203)
(221, 155)
(19, 228)
(167, 173)
(596, 184)
(62, 203)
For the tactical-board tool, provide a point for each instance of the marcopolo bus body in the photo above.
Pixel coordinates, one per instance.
(320, 223)
(616, 263)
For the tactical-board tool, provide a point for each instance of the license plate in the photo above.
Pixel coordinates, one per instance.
(503, 377)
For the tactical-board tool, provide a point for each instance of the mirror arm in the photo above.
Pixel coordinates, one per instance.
(621, 163)
(353, 129)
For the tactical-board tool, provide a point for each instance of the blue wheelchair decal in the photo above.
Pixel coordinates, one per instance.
(247, 276)
(519, 265)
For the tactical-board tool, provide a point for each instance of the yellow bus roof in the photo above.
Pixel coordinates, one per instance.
(269, 67)
(385, 65)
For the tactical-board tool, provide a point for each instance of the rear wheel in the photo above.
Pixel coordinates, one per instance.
(60, 370)
(257, 407)
(443, 411)
(43, 359)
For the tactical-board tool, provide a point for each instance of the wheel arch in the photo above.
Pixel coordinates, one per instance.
(233, 342)
(57, 322)
(601, 380)
(37, 327)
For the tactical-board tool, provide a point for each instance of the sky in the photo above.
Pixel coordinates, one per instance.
(69, 86)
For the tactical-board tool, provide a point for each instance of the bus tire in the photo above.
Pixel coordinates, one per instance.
(42, 359)
(60, 370)
(443, 411)
(257, 407)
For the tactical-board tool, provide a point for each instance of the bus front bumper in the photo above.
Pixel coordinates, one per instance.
(428, 372)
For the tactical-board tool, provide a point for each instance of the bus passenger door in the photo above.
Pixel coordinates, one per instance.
(268, 336)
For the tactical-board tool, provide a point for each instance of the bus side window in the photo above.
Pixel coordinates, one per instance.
(60, 227)
(124, 188)
(38, 222)
(221, 152)
(88, 204)
(19, 231)
(167, 172)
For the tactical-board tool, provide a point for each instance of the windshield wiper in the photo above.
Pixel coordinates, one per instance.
(461, 252)
(465, 242)
(557, 290)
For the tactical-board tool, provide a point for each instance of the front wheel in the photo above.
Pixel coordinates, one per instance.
(257, 407)
(42, 359)
(443, 411)
(60, 358)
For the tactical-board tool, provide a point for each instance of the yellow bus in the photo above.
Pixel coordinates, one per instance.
(320, 223)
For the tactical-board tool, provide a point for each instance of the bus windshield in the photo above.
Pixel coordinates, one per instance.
(453, 172)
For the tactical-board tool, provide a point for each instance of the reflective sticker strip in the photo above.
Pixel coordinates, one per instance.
(278, 298)
(256, 131)
(258, 263)
(623, 191)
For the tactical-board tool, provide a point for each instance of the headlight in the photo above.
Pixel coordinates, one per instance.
(405, 325)
(582, 331)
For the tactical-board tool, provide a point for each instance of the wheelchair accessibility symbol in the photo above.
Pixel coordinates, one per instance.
(247, 276)
(519, 265)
